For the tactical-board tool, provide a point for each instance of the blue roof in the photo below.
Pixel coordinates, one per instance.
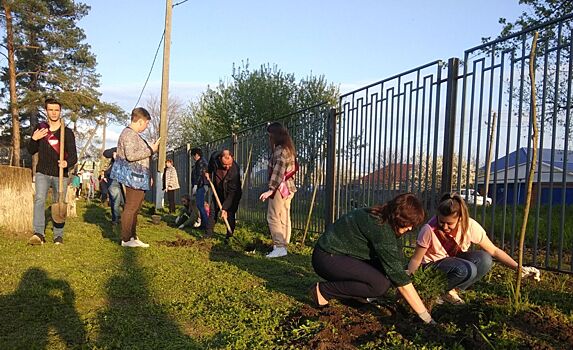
(544, 154)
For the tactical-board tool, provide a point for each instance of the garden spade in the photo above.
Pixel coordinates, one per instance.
(60, 209)
(218, 203)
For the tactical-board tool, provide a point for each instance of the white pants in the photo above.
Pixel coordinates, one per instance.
(278, 217)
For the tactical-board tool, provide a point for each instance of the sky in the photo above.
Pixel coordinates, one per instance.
(351, 43)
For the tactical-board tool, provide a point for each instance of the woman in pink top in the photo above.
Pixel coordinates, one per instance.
(444, 243)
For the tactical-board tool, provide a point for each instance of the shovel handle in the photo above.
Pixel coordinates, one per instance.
(219, 203)
(61, 170)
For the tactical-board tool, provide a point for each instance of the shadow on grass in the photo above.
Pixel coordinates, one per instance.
(133, 319)
(39, 308)
(96, 214)
(291, 275)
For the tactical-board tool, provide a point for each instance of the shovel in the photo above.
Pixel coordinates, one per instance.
(60, 209)
(219, 203)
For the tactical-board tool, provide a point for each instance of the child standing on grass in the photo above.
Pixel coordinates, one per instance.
(444, 243)
(188, 213)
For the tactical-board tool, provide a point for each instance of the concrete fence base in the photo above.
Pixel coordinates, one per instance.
(16, 201)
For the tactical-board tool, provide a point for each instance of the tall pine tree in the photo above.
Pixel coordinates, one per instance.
(52, 59)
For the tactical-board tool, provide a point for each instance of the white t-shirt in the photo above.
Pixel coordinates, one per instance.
(435, 252)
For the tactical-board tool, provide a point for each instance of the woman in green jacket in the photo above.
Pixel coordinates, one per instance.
(360, 255)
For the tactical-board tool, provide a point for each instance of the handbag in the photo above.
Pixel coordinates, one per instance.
(131, 174)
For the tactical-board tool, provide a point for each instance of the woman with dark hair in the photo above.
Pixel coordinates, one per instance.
(360, 255)
(281, 188)
(444, 243)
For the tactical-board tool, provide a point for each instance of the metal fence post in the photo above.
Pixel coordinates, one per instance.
(450, 124)
(329, 185)
(234, 144)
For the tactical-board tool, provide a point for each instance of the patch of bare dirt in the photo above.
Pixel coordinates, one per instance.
(341, 327)
(187, 242)
(545, 328)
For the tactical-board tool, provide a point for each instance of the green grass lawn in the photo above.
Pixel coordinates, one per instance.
(185, 293)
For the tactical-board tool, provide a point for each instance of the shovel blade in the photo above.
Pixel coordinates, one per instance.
(59, 212)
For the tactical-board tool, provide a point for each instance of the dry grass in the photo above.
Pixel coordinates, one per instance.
(17, 202)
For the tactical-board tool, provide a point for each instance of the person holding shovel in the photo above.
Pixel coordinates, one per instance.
(226, 179)
(52, 170)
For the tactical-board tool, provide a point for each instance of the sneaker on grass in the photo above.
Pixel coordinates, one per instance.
(277, 252)
(141, 244)
(451, 297)
(58, 240)
(134, 243)
(37, 239)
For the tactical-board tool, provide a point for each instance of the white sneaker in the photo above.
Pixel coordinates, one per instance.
(197, 223)
(131, 243)
(141, 244)
(134, 243)
(277, 252)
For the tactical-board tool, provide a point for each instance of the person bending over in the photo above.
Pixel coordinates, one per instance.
(360, 255)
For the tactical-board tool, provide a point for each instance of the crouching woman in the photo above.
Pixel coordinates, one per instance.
(444, 243)
(360, 255)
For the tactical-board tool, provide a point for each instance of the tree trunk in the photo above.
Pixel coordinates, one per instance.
(88, 143)
(12, 77)
(103, 136)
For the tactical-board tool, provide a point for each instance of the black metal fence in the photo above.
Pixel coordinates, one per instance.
(433, 129)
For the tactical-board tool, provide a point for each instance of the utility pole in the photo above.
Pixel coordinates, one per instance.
(163, 107)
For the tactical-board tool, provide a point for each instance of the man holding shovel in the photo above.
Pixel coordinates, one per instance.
(55, 158)
(225, 180)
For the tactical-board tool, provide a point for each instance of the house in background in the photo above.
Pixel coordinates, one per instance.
(516, 165)
(392, 176)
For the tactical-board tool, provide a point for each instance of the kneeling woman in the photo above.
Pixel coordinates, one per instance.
(444, 243)
(360, 255)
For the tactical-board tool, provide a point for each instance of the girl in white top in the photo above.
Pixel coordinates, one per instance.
(444, 243)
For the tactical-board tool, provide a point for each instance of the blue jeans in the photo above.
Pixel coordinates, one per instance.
(464, 269)
(43, 184)
(200, 198)
(115, 199)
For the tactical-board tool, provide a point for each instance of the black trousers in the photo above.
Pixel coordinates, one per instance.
(171, 200)
(347, 277)
(214, 213)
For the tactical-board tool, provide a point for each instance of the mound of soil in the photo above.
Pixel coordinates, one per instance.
(334, 327)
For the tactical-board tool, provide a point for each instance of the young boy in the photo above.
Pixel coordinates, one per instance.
(188, 213)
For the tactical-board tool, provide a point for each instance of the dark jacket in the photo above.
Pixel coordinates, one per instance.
(228, 187)
(108, 153)
(198, 173)
(48, 157)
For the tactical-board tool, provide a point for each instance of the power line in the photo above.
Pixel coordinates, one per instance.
(155, 58)
(179, 3)
(151, 69)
